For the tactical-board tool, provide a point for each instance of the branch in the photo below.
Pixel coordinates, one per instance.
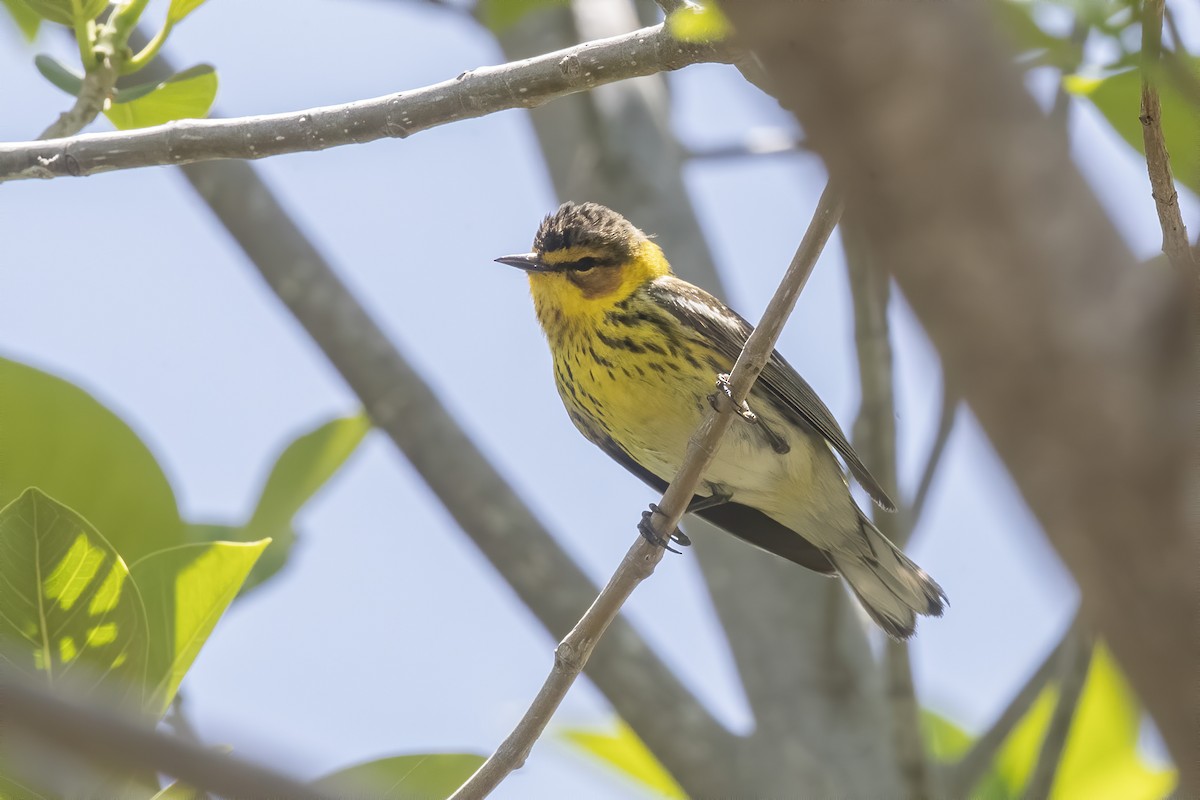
(639, 563)
(1076, 363)
(523, 84)
(946, 419)
(1158, 161)
(875, 436)
(615, 145)
(1072, 672)
(400, 402)
(115, 740)
(971, 768)
(98, 85)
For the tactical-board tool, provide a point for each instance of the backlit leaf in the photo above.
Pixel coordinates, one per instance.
(500, 15)
(59, 438)
(624, 751)
(297, 475)
(28, 21)
(417, 777)
(186, 589)
(63, 11)
(181, 8)
(703, 23)
(69, 613)
(186, 95)
(1118, 98)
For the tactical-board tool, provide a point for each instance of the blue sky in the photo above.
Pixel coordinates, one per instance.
(388, 633)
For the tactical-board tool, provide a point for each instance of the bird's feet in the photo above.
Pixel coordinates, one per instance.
(777, 442)
(742, 410)
(646, 529)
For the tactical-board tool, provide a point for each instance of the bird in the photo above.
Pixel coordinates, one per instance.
(637, 354)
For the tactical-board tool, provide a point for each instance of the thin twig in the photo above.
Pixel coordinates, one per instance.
(476, 93)
(759, 142)
(1072, 669)
(1176, 39)
(875, 436)
(634, 679)
(946, 419)
(1158, 161)
(118, 741)
(1059, 112)
(98, 85)
(639, 562)
(971, 768)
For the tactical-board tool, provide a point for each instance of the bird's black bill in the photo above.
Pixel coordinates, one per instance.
(530, 262)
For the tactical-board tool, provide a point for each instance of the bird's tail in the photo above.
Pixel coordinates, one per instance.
(891, 588)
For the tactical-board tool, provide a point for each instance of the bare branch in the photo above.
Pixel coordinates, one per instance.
(639, 563)
(1076, 363)
(875, 437)
(946, 417)
(800, 650)
(135, 746)
(1158, 161)
(1072, 669)
(758, 142)
(97, 88)
(971, 768)
(632, 677)
(476, 93)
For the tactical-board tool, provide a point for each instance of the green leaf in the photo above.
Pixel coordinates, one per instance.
(704, 23)
(186, 590)
(28, 21)
(179, 791)
(1118, 98)
(1101, 760)
(63, 12)
(186, 95)
(500, 15)
(69, 611)
(944, 740)
(59, 438)
(1015, 18)
(1019, 755)
(418, 777)
(300, 471)
(180, 9)
(58, 74)
(623, 750)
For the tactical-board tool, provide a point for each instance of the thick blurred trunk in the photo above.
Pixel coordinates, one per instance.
(1075, 360)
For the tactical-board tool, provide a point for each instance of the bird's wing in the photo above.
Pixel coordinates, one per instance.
(727, 331)
(746, 523)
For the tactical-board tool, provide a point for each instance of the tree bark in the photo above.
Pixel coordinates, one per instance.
(1075, 361)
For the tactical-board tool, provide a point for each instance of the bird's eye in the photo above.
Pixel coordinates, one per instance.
(584, 264)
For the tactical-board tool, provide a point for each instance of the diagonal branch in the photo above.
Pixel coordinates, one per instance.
(963, 776)
(875, 436)
(946, 418)
(115, 740)
(639, 563)
(632, 677)
(1072, 669)
(476, 93)
(800, 652)
(1158, 161)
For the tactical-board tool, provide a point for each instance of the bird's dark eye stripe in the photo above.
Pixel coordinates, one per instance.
(585, 263)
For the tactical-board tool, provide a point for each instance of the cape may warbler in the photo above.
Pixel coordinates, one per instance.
(636, 352)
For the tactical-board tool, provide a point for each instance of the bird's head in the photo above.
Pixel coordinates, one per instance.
(586, 259)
